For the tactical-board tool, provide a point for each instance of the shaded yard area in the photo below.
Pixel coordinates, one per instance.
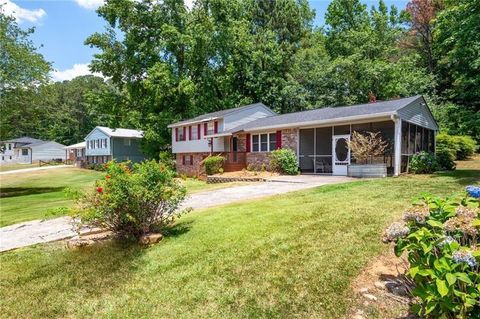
(36, 195)
(292, 255)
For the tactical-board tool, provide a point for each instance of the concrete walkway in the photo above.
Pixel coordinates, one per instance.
(42, 231)
(33, 169)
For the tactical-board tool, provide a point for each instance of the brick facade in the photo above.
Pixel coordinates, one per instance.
(290, 139)
(193, 169)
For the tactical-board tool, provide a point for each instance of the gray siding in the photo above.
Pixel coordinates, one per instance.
(48, 151)
(94, 135)
(418, 113)
(123, 152)
(245, 116)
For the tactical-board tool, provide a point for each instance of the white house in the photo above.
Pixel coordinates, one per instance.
(28, 150)
(319, 137)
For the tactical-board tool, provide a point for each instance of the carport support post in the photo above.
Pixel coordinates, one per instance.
(397, 145)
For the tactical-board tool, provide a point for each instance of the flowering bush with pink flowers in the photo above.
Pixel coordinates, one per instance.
(440, 238)
(132, 201)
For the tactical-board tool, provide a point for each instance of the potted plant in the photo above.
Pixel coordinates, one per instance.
(364, 148)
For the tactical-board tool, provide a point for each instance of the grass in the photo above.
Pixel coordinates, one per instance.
(38, 194)
(288, 256)
(35, 195)
(11, 167)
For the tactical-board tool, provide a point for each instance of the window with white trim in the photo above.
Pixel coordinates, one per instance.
(181, 135)
(194, 131)
(264, 142)
(24, 151)
(210, 128)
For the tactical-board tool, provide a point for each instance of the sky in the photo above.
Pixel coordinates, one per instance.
(61, 27)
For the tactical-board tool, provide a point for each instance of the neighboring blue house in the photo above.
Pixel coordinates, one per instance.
(103, 144)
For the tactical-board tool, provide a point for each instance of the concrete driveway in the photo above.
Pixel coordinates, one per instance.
(42, 231)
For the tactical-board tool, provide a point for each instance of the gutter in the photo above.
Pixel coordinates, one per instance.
(192, 122)
(319, 122)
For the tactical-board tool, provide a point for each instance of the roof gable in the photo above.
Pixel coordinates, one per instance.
(117, 132)
(331, 114)
(221, 114)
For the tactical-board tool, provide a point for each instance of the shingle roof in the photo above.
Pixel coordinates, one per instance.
(328, 113)
(24, 140)
(121, 132)
(39, 143)
(217, 114)
(77, 145)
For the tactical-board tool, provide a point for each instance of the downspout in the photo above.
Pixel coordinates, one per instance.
(397, 143)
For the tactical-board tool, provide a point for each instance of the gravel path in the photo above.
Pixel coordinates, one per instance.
(42, 231)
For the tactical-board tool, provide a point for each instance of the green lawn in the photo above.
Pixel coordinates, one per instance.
(288, 256)
(11, 167)
(29, 195)
(33, 195)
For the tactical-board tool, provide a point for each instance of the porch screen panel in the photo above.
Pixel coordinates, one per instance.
(323, 150)
(387, 132)
(306, 151)
(342, 130)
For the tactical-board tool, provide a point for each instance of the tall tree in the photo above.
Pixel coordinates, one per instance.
(457, 48)
(22, 70)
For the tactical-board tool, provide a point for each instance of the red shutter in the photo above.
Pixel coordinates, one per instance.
(205, 129)
(278, 139)
(184, 133)
(176, 134)
(191, 159)
(215, 127)
(183, 159)
(199, 129)
(248, 143)
(189, 132)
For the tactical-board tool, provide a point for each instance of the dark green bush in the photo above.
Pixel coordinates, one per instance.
(213, 164)
(132, 202)
(445, 160)
(423, 163)
(440, 238)
(284, 161)
(462, 146)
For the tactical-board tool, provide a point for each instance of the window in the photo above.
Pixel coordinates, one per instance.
(126, 142)
(193, 133)
(264, 142)
(3, 158)
(9, 147)
(187, 159)
(255, 147)
(10, 157)
(211, 128)
(105, 142)
(272, 143)
(180, 133)
(24, 151)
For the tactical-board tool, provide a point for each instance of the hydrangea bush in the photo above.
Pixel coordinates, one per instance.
(423, 163)
(132, 201)
(440, 238)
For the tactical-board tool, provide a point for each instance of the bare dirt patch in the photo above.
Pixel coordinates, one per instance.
(382, 290)
(245, 173)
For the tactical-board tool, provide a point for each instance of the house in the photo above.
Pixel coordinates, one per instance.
(318, 137)
(76, 153)
(28, 150)
(103, 144)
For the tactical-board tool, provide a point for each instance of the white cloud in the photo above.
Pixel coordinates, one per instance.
(68, 74)
(21, 14)
(90, 4)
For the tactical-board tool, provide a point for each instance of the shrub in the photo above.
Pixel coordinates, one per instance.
(213, 164)
(132, 202)
(423, 163)
(440, 239)
(284, 161)
(365, 147)
(461, 146)
(445, 160)
(166, 158)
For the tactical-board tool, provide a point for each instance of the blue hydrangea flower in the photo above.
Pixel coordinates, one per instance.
(464, 256)
(448, 240)
(473, 191)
